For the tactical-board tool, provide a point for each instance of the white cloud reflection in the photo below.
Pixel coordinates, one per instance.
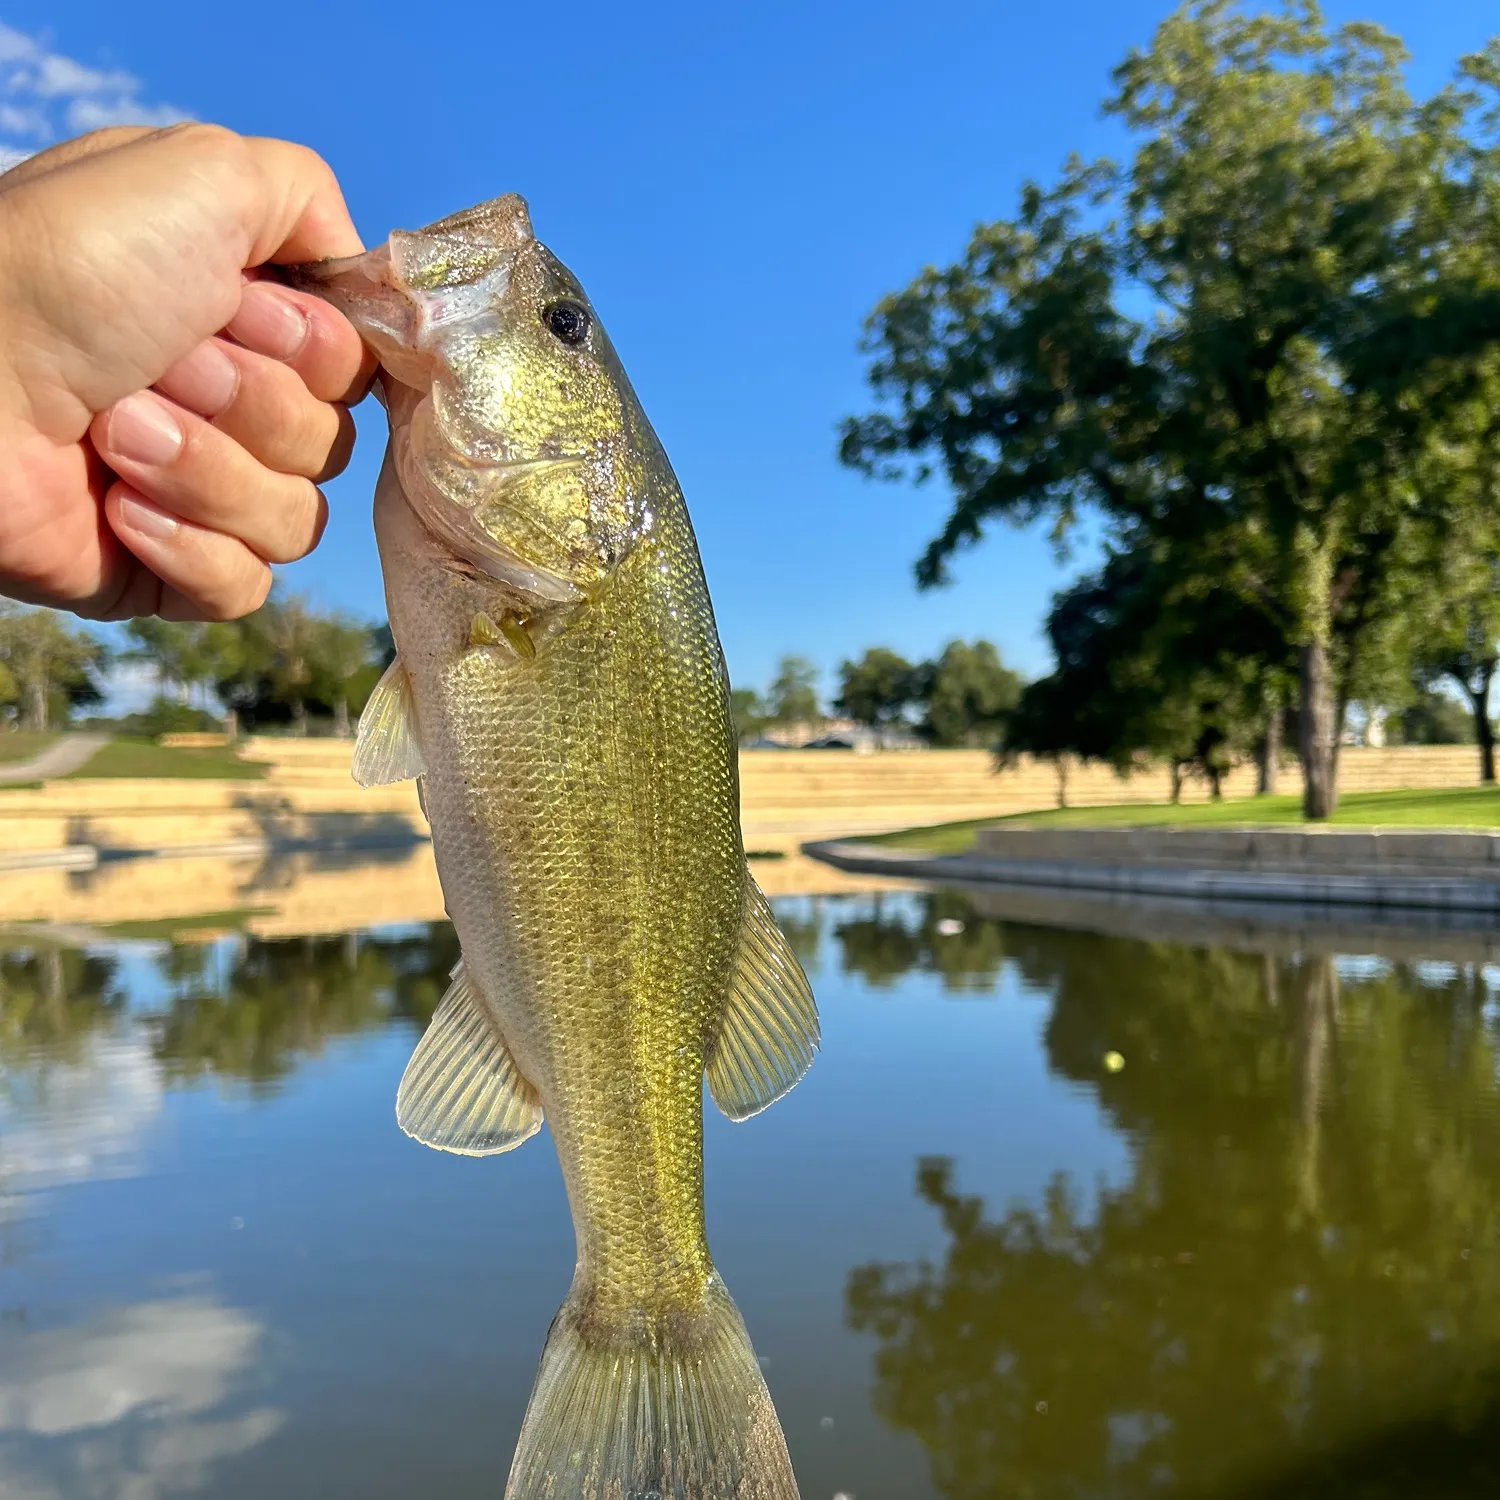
(46, 97)
(79, 1118)
(123, 1407)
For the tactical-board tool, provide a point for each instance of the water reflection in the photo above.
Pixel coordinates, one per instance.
(1213, 1219)
(124, 1405)
(1297, 1291)
(944, 938)
(256, 1015)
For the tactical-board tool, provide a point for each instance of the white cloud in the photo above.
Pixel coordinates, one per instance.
(45, 97)
(122, 1406)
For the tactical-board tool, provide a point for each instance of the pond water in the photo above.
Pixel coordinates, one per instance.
(1057, 1213)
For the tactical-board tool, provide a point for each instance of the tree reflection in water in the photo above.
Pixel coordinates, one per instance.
(249, 1009)
(52, 997)
(937, 933)
(276, 1002)
(1296, 1294)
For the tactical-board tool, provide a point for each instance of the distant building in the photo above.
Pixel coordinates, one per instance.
(834, 734)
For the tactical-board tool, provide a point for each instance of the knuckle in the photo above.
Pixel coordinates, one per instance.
(293, 431)
(204, 135)
(243, 588)
(341, 450)
(300, 512)
(312, 431)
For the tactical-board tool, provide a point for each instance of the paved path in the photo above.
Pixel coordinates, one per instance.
(68, 754)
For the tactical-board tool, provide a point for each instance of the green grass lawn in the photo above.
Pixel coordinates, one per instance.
(22, 744)
(145, 758)
(1457, 807)
(171, 927)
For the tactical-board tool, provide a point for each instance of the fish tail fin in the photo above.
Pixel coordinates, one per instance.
(670, 1409)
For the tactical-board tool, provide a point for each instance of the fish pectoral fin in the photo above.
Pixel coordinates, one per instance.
(387, 748)
(768, 1032)
(462, 1090)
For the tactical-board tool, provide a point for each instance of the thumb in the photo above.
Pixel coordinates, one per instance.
(122, 255)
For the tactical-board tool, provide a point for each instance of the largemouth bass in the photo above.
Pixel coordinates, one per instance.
(560, 695)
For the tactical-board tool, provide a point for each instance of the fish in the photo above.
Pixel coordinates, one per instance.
(560, 696)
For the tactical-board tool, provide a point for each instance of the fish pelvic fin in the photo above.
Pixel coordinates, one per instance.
(388, 748)
(673, 1409)
(462, 1090)
(768, 1032)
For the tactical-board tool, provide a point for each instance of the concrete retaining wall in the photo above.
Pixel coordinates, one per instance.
(1290, 850)
(787, 797)
(1375, 888)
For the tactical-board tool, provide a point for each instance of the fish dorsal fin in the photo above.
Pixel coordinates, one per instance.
(462, 1090)
(388, 749)
(768, 1032)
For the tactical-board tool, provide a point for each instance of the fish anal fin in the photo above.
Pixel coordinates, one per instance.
(462, 1090)
(768, 1032)
(388, 748)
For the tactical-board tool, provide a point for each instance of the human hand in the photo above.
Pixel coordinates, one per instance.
(165, 415)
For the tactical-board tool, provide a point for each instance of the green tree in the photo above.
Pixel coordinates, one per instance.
(52, 662)
(748, 713)
(793, 695)
(1046, 725)
(1154, 668)
(345, 666)
(1253, 340)
(877, 689)
(968, 691)
(189, 656)
(1459, 640)
(1432, 719)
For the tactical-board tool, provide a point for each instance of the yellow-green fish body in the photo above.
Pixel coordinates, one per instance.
(560, 691)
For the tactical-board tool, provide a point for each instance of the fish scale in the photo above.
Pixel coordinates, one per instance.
(560, 690)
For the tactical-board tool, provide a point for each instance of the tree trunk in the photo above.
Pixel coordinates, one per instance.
(1176, 782)
(299, 717)
(1270, 754)
(1319, 720)
(1062, 780)
(341, 718)
(35, 715)
(1484, 730)
(1215, 783)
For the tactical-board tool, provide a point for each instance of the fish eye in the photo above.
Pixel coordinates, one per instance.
(568, 321)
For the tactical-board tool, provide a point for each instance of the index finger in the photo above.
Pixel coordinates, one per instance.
(303, 214)
(92, 144)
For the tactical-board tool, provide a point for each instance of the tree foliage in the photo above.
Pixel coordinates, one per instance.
(793, 695)
(878, 688)
(1265, 342)
(49, 663)
(967, 692)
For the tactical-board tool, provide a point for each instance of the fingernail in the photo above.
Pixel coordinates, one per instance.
(143, 429)
(137, 515)
(269, 322)
(204, 380)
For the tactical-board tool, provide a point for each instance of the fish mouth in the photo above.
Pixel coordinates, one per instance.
(399, 321)
(368, 291)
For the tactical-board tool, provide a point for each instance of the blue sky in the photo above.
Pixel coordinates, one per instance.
(735, 186)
